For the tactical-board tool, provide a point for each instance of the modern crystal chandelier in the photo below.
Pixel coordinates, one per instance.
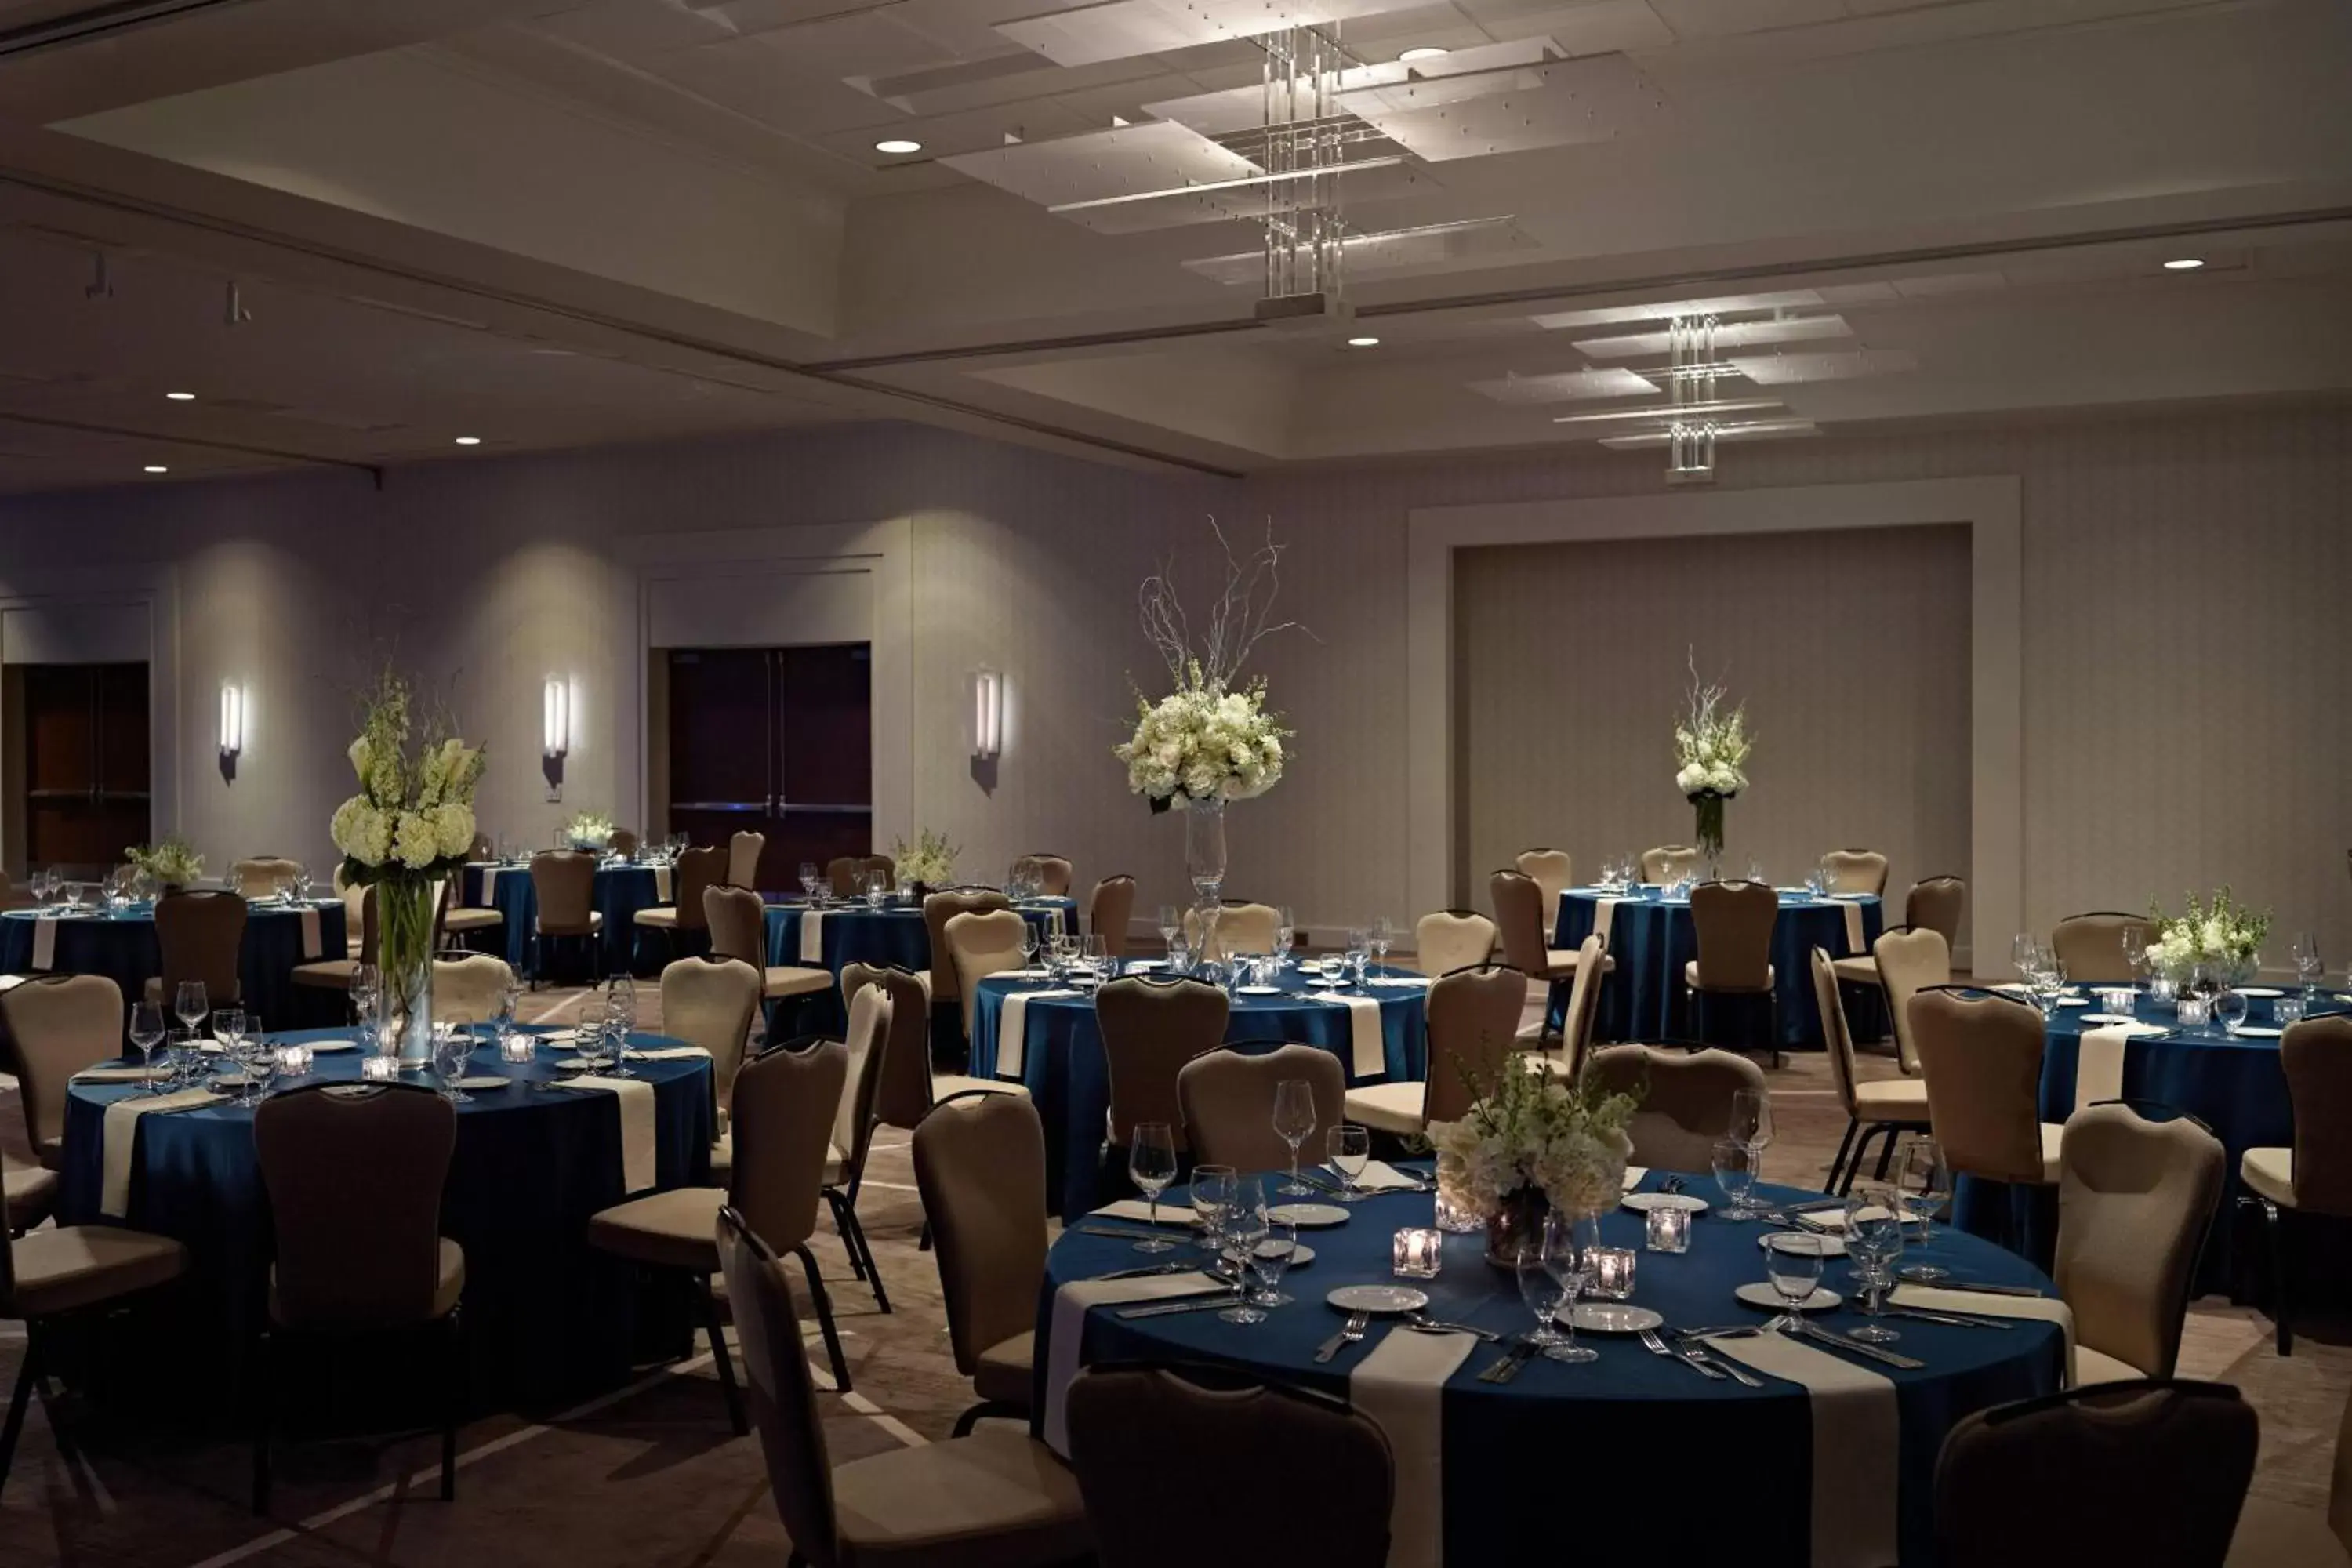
(1305, 149)
(1692, 368)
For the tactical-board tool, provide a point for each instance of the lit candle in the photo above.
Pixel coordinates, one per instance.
(1417, 1254)
(1669, 1230)
(2195, 1010)
(1612, 1272)
(517, 1046)
(380, 1068)
(294, 1060)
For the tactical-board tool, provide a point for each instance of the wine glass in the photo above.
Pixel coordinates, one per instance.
(367, 990)
(2135, 945)
(2023, 948)
(1213, 1189)
(1751, 1124)
(1792, 1262)
(2309, 967)
(1873, 1239)
(1294, 1119)
(1570, 1267)
(2229, 1011)
(1285, 932)
(228, 1028)
(1151, 1165)
(1540, 1291)
(1028, 945)
(1351, 1150)
(1172, 926)
(452, 1049)
(1244, 1229)
(1735, 1172)
(147, 1033)
(1926, 1185)
(186, 1057)
(1383, 934)
(1360, 948)
(1270, 1260)
(809, 879)
(189, 1005)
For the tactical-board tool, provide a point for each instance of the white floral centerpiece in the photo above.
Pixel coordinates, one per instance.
(929, 861)
(1533, 1142)
(2223, 933)
(169, 862)
(589, 830)
(1711, 749)
(1202, 743)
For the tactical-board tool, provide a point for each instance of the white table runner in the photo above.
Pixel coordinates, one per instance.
(2099, 1062)
(489, 887)
(312, 939)
(634, 1097)
(1369, 1053)
(813, 937)
(662, 885)
(1400, 1385)
(1985, 1304)
(1013, 1030)
(45, 941)
(119, 1137)
(1604, 917)
(1854, 945)
(1072, 1302)
(1857, 1439)
(668, 1054)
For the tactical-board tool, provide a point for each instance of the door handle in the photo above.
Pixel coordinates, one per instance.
(750, 805)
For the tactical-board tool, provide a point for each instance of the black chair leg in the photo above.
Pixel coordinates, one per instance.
(453, 1396)
(2278, 1245)
(26, 1375)
(844, 1226)
(923, 1242)
(983, 1411)
(865, 1247)
(824, 1319)
(265, 1399)
(1845, 1146)
(709, 1310)
(1886, 1156)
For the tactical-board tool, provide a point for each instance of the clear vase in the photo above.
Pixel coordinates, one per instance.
(1517, 1224)
(404, 959)
(1204, 863)
(1709, 830)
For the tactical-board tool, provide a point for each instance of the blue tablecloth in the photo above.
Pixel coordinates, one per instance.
(1062, 1062)
(893, 935)
(545, 1315)
(1632, 1457)
(622, 889)
(1652, 938)
(123, 948)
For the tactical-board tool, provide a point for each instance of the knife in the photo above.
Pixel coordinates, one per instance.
(1983, 1290)
(1956, 1319)
(1702, 1361)
(1908, 1363)
(1136, 1235)
(1148, 1271)
(1167, 1309)
(1509, 1367)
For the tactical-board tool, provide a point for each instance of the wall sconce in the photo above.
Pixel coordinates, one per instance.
(556, 725)
(987, 714)
(232, 719)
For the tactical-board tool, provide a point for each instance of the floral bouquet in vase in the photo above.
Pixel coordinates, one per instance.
(2223, 935)
(589, 831)
(1710, 759)
(1533, 1143)
(408, 828)
(170, 862)
(929, 862)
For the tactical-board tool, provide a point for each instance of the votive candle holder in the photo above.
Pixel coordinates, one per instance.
(1612, 1272)
(1669, 1230)
(1418, 1254)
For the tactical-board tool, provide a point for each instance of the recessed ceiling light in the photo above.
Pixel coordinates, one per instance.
(1422, 52)
(181, 396)
(898, 145)
(2184, 264)
(1363, 343)
(469, 440)
(157, 469)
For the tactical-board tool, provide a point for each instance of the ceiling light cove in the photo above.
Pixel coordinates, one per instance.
(1424, 52)
(181, 396)
(468, 440)
(155, 469)
(2184, 264)
(1363, 343)
(897, 146)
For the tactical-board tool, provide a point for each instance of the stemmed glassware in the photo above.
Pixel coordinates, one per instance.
(1211, 1189)
(1384, 937)
(367, 990)
(1351, 1150)
(809, 881)
(1751, 1124)
(1151, 1165)
(1028, 945)
(189, 1005)
(1735, 1172)
(228, 1028)
(1792, 1262)
(1925, 1186)
(1360, 951)
(2230, 1008)
(1569, 1266)
(147, 1033)
(1270, 1260)
(2309, 967)
(452, 1049)
(1243, 1227)
(2135, 945)
(1294, 1119)
(1172, 926)
(1286, 931)
(1873, 1239)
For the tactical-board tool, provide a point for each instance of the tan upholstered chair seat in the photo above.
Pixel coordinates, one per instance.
(596, 920)
(1388, 1106)
(449, 1281)
(1861, 971)
(961, 1505)
(2097, 1366)
(31, 1193)
(2281, 1536)
(156, 994)
(1897, 1100)
(944, 1084)
(466, 919)
(1003, 1374)
(327, 973)
(677, 1229)
(666, 918)
(58, 1270)
(2271, 1173)
(1690, 975)
(790, 980)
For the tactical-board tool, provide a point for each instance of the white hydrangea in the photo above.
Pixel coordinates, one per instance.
(1205, 743)
(416, 840)
(453, 829)
(361, 832)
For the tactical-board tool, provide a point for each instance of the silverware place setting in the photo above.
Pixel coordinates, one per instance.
(1350, 1333)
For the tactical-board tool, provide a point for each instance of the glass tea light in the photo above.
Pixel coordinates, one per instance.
(2286, 1010)
(514, 1046)
(2195, 1010)
(1417, 1254)
(1612, 1272)
(380, 1068)
(1454, 1211)
(294, 1060)
(1669, 1230)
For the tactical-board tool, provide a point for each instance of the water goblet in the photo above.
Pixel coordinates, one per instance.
(1244, 1230)
(1294, 1119)
(1211, 1189)
(1792, 1262)
(1873, 1239)
(2229, 1011)
(1735, 1172)
(809, 879)
(1029, 943)
(1350, 1148)
(1172, 926)
(2309, 967)
(1751, 1124)
(147, 1033)
(188, 1003)
(1270, 1260)
(1151, 1165)
(1570, 1267)
(1285, 934)
(1926, 1183)
(452, 1049)
(1540, 1292)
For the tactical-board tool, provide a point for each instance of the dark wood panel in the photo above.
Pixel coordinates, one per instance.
(122, 727)
(84, 745)
(825, 709)
(720, 740)
(60, 728)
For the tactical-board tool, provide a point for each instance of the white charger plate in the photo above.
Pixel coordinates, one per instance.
(1611, 1318)
(1385, 1300)
(2259, 991)
(1831, 1246)
(1260, 990)
(1758, 1293)
(2260, 1032)
(2074, 1002)
(1301, 1254)
(1309, 1216)
(1643, 1202)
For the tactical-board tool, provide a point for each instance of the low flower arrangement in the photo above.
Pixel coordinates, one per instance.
(170, 862)
(2223, 934)
(929, 861)
(1534, 1141)
(589, 830)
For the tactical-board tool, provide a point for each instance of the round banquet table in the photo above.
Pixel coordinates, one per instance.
(1652, 937)
(622, 888)
(2232, 1084)
(1059, 1055)
(545, 1315)
(1633, 1457)
(854, 932)
(123, 947)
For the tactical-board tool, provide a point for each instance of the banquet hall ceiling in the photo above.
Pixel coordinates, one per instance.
(553, 225)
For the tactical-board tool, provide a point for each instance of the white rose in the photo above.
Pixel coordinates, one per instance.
(1692, 777)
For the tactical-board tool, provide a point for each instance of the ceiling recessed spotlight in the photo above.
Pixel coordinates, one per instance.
(898, 145)
(181, 396)
(157, 469)
(469, 440)
(1363, 343)
(2184, 264)
(1422, 52)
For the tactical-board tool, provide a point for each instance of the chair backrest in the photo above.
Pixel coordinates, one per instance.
(1836, 1036)
(981, 943)
(355, 1178)
(1473, 1021)
(938, 910)
(1241, 928)
(1981, 1055)
(1150, 1028)
(743, 852)
(785, 1102)
(2150, 1473)
(1583, 1004)
(59, 1025)
(2317, 1055)
(358, 923)
(696, 869)
(201, 935)
(781, 1394)
(1519, 920)
(481, 848)
(880, 866)
(2089, 947)
(565, 883)
(1909, 961)
(2135, 1200)
(1125, 1421)
(1228, 1102)
(623, 843)
(1114, 911)
(1854, 872)
(1733, 922)
(259, 876)
(868, 1036)
(902, 1093)
(980, 1165)
(1687, 1104)
(1451, 940)
(466, 990)
(710, 1002)
(1669, 861)
(1051, 871)
(738, 919)
(1554, 874)
(1935, 905)
(842, 873)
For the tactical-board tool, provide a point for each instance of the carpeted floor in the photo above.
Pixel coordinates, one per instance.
(648, 1475)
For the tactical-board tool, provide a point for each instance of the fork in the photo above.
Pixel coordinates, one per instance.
(1657, 1346)
(1351, 1332)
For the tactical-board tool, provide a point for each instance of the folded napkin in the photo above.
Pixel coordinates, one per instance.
(1380, 1176)
(636, 1099)
(120, 1075)
(1985, 1304)
(1013, 1029)
(489, 887)
(45, 941)
(668, 1054)
(2099, 1063)
(119, 1135)
(662, 885)
(1400, 1385)
(813, 937)
(312, 941)
(319, 1046)
(1370, 1052)
(1604, 917)
(1633, 1174)
(1171, 1211)
(1066, 1336)
(1857, 1437)
(1032, 973)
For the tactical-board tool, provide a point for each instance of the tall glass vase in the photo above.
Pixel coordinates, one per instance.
(1204, 863)
(405, 958)
(1709, 829)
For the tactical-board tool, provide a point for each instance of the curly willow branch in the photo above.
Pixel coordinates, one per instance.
(1238, 620)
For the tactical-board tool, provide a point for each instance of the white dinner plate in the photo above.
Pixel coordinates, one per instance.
(1644, 1201)
(1854, 895)
(2074, 1002)
(1760, 1294)
(1831, 1246)
(1385, 1300)
(2259, 991)
(1260, 990)
(1301, 1254)
(1308, 1215)
(1834, 1220)
(2260, 1032)
(1611, 1318)
(2108, 1018)
(1134, 964)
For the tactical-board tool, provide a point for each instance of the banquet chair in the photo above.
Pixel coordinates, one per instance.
(1935, 905)
(1518, 926)
(1451, 940)
(59, 1024)
(2089, 947)
(1242, 927)
(696, 869)
(2314, 1175)
(1112, 912)
(739, 929)
(467, 987)
(980, 1165)
(57, 1277)
(1150, 1028)
(360, 946)
(1227, 1099)
(482, 848)
(881, 865)
(1052, 872)
(2281, 1535)
(263, 876)
(1980, 1054)
(2136, 1199)
(1884, 1109)
(1339, 1476)
(354, 1177)
(565, 883)
(908, 1086)
(623, 843)
(1473, 1021)
(28, 1194)
(841, 875)
(1854, 872)
(709, 1001)
(1554, 873)
(1687, 1105)
(743, 852)
(1567, 1059)
(938, 910)
(853, 1131)
(981, 943)
(200, 936)
(784, 1105)
(1733, 922)
(2151, 1472)
(1908, 959)
(461, 923)
(1669, 861)
(997, 1499)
